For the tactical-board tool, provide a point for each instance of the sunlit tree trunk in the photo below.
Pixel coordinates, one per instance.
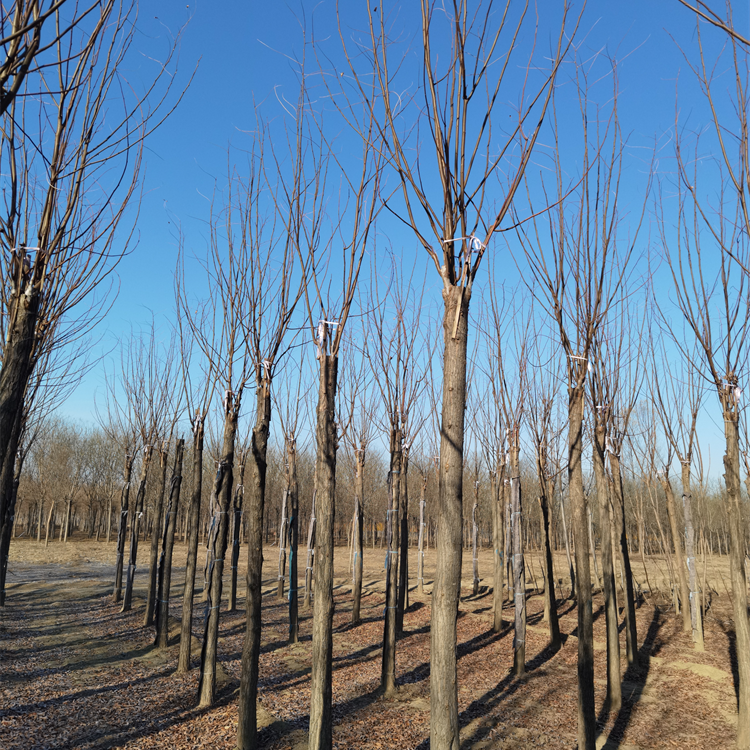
(135, 524)
(165, 562)
(193, 520)
(696, 615)
(247, 728)
(359, 491)
(293, 495)
(321, 691)
(156, 537)
(388, 667)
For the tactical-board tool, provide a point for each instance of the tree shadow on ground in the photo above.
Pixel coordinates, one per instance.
(633, 683)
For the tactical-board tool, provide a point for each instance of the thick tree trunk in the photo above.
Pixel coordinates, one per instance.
(17, 365)
(679, 558)
(293, 495)
(566, 537)
(737, 567)
(321, 693)
(193, 522)
(247, 727)
(135, 520)
(359, 489)
(614, 685)
(239, 496)
(121, 527)
(8, 494)
(388, 667)
(444, 724)
(586, 709)
(696, 616)
(420, 543)
(630, 622)
(403, 543)
(165, 562)
(156, 536)
(498, 542)
(217, 546)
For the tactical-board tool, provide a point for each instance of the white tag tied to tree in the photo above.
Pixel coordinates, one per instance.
(322, 335)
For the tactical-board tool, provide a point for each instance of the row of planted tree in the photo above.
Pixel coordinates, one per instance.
(631, 308)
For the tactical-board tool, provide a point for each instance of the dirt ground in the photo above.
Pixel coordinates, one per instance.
(76, 673)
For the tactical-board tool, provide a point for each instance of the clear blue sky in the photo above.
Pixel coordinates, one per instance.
(238, 50)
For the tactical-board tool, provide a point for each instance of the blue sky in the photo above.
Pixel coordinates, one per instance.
(238, 52)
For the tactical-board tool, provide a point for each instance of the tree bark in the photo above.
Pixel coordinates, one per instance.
(283, 535)
(293, 495)
(388, 667)
(156, 536)
(359, 490)
(420, 543)
(679, 558)
(321, 693)
(630, 622)
(586, 708)
(696, 616)
(247, 727)
(193, 521)
(217, 546)
(519, 568)
(121, 527)
(165, 562)
(737, 565)
(403, 543)
(8, 495)
(135, 520)
(474, 532)
(239, 495)
(614, 686)
(444, 724)
(310, 556)
(498, 539)
(550, 600)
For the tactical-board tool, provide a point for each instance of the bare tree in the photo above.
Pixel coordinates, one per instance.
(69, 178)
(442, 136)
(577, 267)
(713, 290)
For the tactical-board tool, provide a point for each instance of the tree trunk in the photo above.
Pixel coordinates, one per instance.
(388, 669)
(310, 556)
(293, 495)
(283, 535)
(247, 727)
(358, 542)
(403, 542)
(614, 685)
(679, 558)
(566, 537)
(696, 616)
(519, 568)
(239, 496)
(121, 528)
(420, 543)
(586, 709)
(165, 562)
(474, 540)
(156, 536)
(8, 495)
(135, 520)
(321, 694)
(498, 539)
(217, 546)
(444, 724)
(630, 623)
(193, 522)
(550, 600)
(737, 566)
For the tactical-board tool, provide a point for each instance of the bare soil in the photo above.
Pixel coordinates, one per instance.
(76, 673)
